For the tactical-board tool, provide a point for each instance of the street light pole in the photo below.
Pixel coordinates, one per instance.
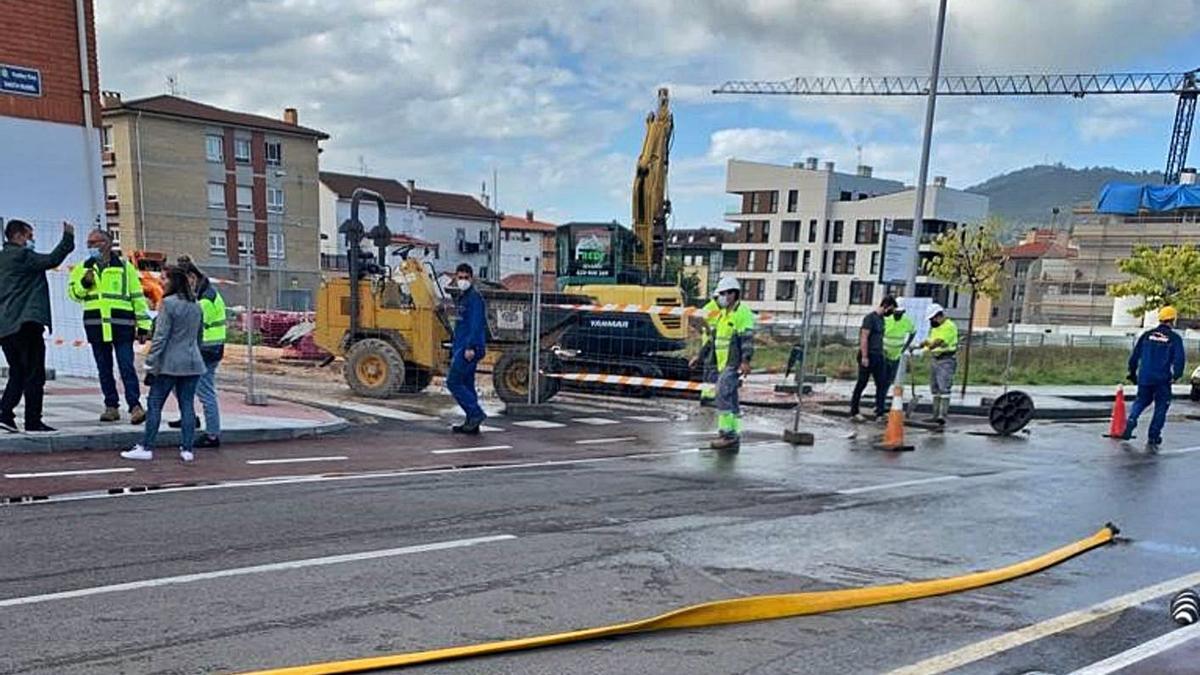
(910, 286)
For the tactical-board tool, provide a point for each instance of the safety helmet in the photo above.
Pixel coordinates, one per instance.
(934, 310)
(900, 304)
(1167, 313)
(727, 284)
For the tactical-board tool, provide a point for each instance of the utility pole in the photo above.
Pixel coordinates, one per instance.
(910, 287)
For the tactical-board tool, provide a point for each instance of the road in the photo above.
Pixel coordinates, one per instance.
(398, 536)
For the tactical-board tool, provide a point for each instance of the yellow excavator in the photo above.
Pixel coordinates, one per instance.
(615, 265)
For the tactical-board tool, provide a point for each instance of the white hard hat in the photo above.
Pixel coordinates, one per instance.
(934, 310)
(728, 284)
(900, 304)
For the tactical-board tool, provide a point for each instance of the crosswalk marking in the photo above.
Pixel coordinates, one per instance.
(382, 411)
(539, 424)
(648, 418)
(595, 421)
(486, 428)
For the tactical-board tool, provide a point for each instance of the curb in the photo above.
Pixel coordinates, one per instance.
(841, 409)
(22, 444)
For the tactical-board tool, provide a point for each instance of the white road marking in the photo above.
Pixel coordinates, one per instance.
(539, 424)
(399, 473)
(486, 428)
(77, 472)
(383, 411)
(1011, 640)
(480, 448)
(1142, 652)
(254, 569)
(595, 421)
(601, 441)
(298, 460)
(900, 484)
(647, 418)
(1181, 451)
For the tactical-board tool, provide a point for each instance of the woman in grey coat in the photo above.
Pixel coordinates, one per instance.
(174, 365)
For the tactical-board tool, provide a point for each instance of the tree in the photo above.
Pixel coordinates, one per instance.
(690, 285)
(969, 259)
(1169, 275)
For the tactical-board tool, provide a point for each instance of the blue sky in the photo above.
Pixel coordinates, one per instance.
(552, 95)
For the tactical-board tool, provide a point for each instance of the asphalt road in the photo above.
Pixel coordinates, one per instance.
(404, 546)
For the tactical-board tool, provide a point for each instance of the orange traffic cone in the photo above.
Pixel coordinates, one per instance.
(893, 435)
(1117, 428)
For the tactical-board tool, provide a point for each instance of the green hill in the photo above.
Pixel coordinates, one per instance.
(1028, 196)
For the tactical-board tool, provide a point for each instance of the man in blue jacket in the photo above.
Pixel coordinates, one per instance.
(1157, 361)
(467, 349)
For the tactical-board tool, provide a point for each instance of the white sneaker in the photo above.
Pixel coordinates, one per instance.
(138, 453)
(186, 455)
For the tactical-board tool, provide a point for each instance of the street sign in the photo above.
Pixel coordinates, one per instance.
(18, 80)
(899, 251)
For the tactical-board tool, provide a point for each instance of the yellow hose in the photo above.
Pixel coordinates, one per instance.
(739, 610)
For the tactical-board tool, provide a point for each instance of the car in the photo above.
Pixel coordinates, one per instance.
(1195, 395)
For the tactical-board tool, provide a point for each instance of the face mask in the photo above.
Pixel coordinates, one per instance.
(30, 244)
(723, 301)
(94, 253)
(464, 284)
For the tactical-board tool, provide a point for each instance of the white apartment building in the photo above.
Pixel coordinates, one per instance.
(805, 217)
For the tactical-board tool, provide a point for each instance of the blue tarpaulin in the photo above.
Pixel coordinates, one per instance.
(1128, 198)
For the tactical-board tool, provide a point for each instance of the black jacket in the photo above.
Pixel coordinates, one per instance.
(24, 292)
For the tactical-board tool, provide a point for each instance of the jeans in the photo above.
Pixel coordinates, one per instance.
(876, 370)
(461, 383)
(103, 353)
(185, 395)
(206, 392)
(26, 355)
(1160, 396)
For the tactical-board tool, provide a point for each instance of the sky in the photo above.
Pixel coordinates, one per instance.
(551, 96)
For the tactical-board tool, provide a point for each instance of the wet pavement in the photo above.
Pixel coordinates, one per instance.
(590, 512)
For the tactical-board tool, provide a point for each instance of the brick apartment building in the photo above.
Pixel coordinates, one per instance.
(225, 187)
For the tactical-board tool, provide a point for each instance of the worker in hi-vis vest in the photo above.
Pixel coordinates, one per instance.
(733, 341)
(942, 346)
(898, 333)
(707, 357)
(115, 314)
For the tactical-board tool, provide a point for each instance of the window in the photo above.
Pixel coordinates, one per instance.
(785, 290)
(846, 196)
(275, 245)
(807, 261)
(214, 148)
(791, 232)
(275, 200)
(874, 262)
(245, 198)
(862, 292)
(729, 260)
(246, 243)
(753, 260)
(110, 188)
(106, 138)
(866, 232)
(787, 260)
(826, 235)
(216, 195)
(830, 293)
(843, 262)
(241, 149)
(793, 200)
(839, 231)
(217, 242)
(770, 261)
(274, 153)
(812, 231)
(115, 233)
(824, 262)
(774, 201)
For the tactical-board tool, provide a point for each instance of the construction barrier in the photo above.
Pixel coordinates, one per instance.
(663, 310)
(739, 610)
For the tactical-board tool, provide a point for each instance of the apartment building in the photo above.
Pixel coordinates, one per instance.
(1020, 289)
(1074, 290)
(226, 187)
(792, 220)
(698, 252)
(522, 239)
(450, 227)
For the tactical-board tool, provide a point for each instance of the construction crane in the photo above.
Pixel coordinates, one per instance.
(1182, 84)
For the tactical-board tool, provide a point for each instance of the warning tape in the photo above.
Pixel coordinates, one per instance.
(738, 610)
(662, 310)
(632, 381)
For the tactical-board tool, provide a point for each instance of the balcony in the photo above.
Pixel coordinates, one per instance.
(112, 207)
(108, 158)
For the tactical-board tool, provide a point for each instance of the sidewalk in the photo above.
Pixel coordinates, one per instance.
(73, 406)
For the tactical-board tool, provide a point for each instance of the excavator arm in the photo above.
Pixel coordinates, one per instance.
(650, 203)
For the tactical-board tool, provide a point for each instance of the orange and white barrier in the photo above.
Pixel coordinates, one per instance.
(632, 381)
(663, 310)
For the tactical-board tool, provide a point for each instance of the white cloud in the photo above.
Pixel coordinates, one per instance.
(1097, 128)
